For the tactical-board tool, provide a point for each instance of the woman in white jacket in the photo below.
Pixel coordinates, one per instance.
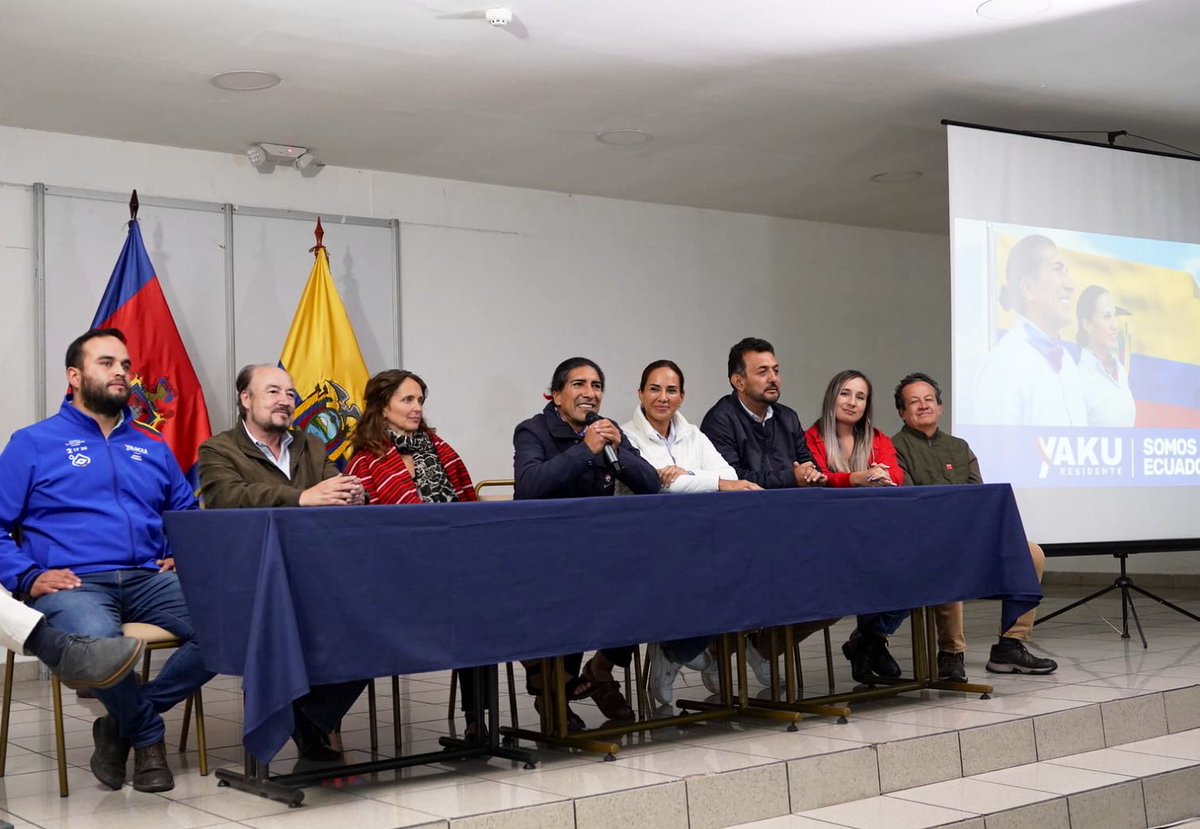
(686, 461)
(685, 458)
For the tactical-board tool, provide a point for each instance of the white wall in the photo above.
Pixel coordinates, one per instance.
(499, 284)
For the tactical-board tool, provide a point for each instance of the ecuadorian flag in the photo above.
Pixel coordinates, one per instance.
(165, 392)
(322, 355)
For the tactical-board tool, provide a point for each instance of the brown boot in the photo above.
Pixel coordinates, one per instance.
(150, 771)
(111, 754)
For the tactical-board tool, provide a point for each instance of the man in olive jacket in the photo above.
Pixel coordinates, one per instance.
(930, 457)
(263, 462)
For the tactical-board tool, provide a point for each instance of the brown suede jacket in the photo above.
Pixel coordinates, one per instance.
(234, 473)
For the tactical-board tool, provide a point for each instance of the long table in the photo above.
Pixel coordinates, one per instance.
(290, 598)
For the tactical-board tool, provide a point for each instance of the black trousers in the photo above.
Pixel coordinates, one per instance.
(325, 705)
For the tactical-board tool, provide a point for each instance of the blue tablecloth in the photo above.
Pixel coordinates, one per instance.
(288, 598)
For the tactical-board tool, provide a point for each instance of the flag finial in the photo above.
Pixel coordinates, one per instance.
(133, 207)
(319, 232)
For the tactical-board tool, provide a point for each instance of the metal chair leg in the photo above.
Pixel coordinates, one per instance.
(396, 722)
(791, 665)
(453, 694)
(512, 696)
(187, 719)
(373, 716)
(9, 664)
(201, 738)
(643, 693)
(829, 660)
(60, 743)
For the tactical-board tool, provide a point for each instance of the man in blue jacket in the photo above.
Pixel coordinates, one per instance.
(84, 492)
(563, 453)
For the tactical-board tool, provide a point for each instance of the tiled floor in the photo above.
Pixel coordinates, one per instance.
(1107, 739)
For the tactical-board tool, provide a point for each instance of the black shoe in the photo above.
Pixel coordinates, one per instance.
(1011, 656)
(860, 653)
(111, 754)
(882, 661)
(475, 731)
(97, 663)
(312, 742)
(951, 667)
(150, 771)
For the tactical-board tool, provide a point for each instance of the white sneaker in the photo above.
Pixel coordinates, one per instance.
(662, 675)
(710, 674)
(759, 664)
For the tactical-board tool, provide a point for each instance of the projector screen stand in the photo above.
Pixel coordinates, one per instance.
(1125, 584)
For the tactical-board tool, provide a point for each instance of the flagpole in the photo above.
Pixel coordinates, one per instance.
(133, 207)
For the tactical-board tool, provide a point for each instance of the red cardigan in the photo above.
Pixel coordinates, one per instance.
(882, 451)
(388, 481)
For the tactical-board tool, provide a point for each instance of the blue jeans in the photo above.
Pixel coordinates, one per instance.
(99, 607)
(885, 623)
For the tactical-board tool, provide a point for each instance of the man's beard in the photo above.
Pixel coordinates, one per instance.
(271, 428)
(97, 398)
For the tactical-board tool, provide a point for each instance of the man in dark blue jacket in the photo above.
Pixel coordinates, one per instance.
(84, 492)
(560, 453)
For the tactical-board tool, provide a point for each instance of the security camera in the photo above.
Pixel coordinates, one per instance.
(498, 17)
(257, 155)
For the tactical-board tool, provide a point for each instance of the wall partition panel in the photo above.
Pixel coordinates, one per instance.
(84, 234)
(17, 318)
(271, 262)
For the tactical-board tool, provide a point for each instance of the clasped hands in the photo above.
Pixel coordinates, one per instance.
(877, 474)
(807, 474)
(599, 433)
(338, 491)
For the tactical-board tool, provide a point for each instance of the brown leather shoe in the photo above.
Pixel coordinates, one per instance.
(150, 770)
(607, 695)
(611, 701)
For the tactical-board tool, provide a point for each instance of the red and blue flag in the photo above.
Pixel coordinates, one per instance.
(165, 392)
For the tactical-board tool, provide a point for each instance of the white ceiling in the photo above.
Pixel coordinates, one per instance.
(779, 107)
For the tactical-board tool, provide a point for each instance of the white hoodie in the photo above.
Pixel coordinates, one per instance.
(692, 451)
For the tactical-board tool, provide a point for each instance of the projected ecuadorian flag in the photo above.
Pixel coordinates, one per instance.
(1155, 288)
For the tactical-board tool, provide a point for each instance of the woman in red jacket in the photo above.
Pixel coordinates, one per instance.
(844, 444)
(400, 460)
(852, 452)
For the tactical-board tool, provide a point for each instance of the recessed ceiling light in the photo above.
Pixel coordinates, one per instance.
(1011, 9)
(623, 137)
(245, 80)
(896, 178)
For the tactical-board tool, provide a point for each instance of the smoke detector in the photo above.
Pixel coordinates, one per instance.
(498, 17)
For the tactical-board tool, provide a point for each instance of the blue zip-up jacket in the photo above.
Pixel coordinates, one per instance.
(760, 452)
(551, 461)
(81, 502)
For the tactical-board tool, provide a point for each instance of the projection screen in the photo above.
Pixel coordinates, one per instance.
(1075, 295)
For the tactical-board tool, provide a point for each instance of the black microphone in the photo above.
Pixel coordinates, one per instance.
(610, 454)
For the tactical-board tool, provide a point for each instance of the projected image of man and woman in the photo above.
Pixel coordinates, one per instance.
(1088, 334)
